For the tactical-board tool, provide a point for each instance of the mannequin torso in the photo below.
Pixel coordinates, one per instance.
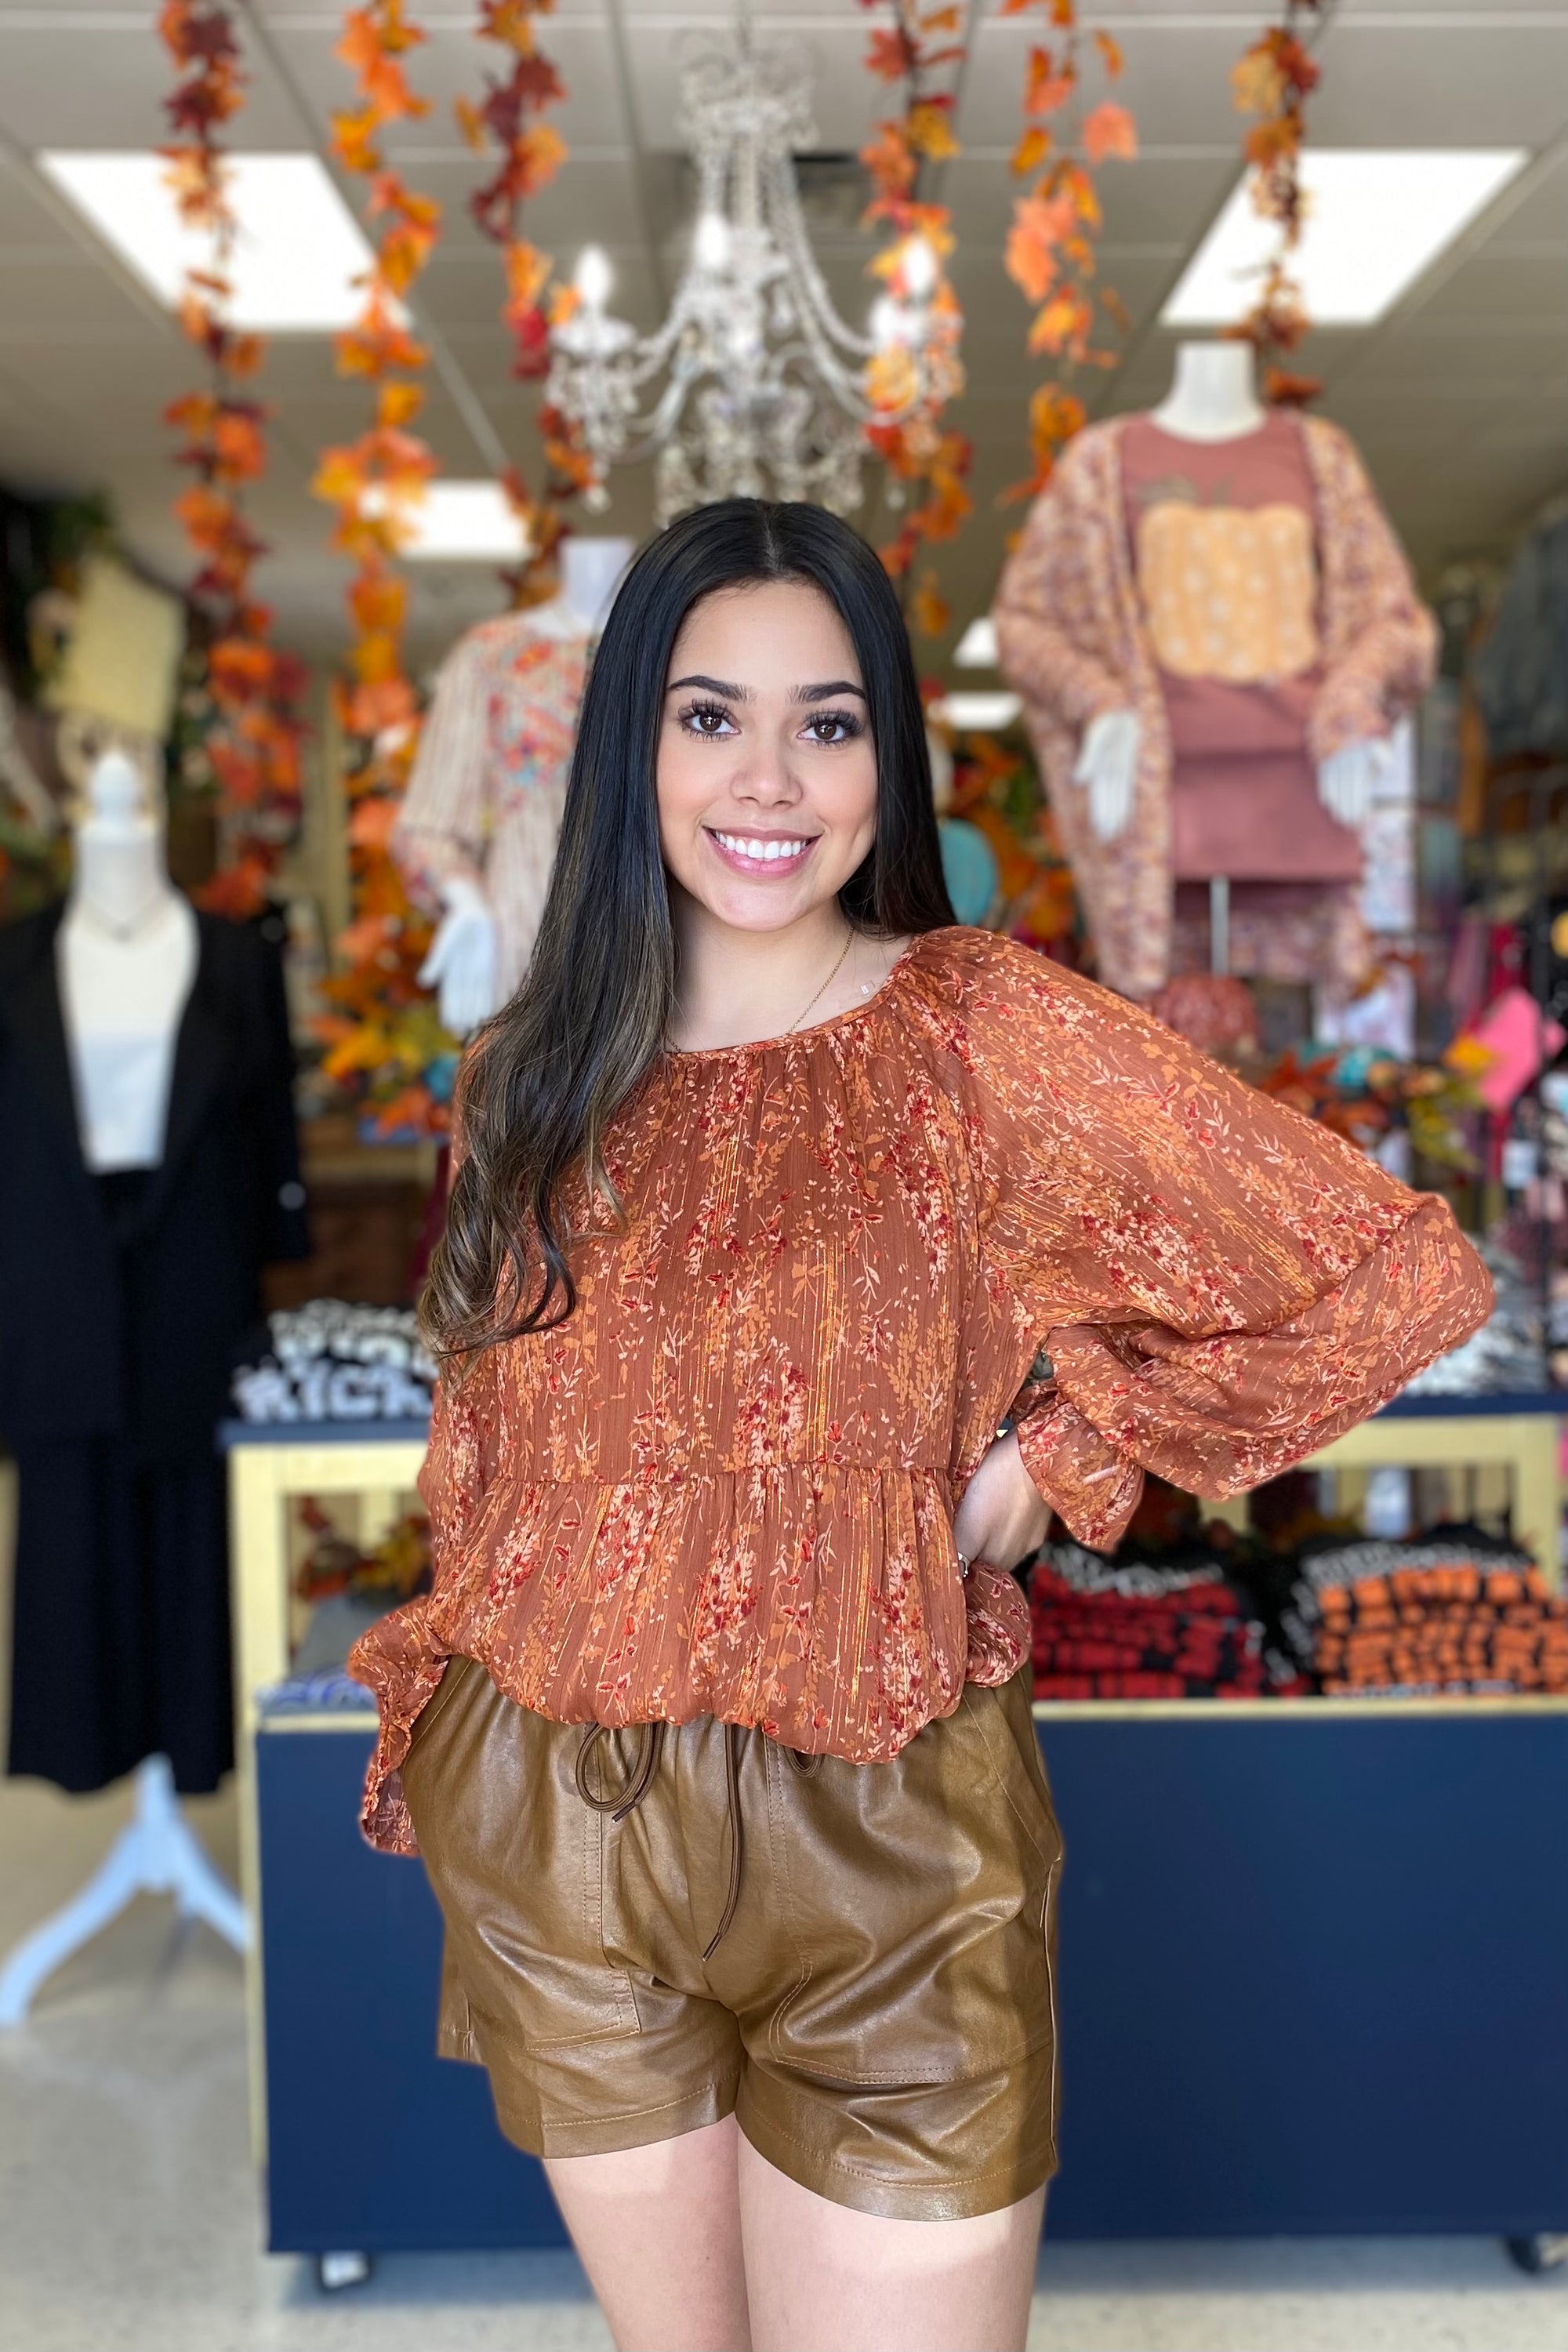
(127, 954)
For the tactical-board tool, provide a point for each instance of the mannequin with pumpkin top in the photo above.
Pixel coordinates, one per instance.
(1215, 633)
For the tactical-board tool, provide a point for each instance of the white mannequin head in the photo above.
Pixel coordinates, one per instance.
(590, 572)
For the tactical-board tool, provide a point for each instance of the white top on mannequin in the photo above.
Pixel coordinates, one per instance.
(462, 964)
(127, 960)
(1213, 398)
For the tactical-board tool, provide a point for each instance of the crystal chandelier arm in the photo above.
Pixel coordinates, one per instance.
(791, 222)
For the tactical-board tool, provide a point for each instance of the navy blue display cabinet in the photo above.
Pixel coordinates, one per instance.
(1314, 1977)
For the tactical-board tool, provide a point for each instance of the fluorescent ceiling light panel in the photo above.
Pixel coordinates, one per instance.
(465, 522)
(976, 648)
(1377, 218)
(297, 256)
(978, 714)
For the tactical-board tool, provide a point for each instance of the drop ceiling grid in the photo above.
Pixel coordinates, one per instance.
(1454, 404)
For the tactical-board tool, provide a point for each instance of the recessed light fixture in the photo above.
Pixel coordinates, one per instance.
(1377, 218)
(978, 714)
(465, 522)
(297, 254)
(976, 648)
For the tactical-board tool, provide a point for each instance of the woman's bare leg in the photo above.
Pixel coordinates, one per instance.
(658, 2231)
(823, 2278)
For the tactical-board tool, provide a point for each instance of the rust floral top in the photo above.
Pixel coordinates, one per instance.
(726, 1484)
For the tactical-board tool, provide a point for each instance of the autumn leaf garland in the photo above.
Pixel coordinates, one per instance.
(527, 154)
(252, 751)
(384, 1037)
(926, 462)
(1272, 82)
(1050, 253)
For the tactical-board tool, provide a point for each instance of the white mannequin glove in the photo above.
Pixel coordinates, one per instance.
(462, 964)
(1108, 765)
(1348, 780)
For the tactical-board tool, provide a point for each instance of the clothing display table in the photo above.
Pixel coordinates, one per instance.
(1522, 1433)
(1314, 1965)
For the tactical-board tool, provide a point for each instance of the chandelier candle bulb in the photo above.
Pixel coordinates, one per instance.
(594, 276)
(919, 270)
(711, 242)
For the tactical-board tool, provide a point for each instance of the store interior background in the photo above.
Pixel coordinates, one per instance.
(125, 2188)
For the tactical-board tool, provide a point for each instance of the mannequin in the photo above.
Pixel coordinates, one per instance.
(1213, 653)
(473, 964)
(1213, 398)
(127, 959)
(150, 1168)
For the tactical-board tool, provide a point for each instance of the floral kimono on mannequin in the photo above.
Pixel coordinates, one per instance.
(1076, 628)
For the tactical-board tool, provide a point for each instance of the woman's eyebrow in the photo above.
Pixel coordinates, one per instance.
(821, 693)
(713, 686)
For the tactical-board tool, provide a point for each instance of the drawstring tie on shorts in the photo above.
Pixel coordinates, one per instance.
(620, 1802)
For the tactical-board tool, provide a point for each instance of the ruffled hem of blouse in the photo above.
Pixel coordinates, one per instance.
(831, 1614)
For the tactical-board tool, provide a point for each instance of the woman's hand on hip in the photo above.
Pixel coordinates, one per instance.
(1002, 1517)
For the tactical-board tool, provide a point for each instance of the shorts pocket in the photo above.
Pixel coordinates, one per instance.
(514, 1857)
(921, 1895)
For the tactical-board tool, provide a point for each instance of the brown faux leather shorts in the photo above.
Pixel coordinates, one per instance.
(649, 1929)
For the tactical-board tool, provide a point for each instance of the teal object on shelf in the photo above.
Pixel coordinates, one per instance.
(969, 868)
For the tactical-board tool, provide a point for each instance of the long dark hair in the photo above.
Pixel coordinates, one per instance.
(547, 1074)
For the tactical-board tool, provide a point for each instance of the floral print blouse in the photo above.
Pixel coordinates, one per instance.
(726, 1484)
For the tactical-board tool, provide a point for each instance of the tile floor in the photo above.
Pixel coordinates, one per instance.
(129, 2215)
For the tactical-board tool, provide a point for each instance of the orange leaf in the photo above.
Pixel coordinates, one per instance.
(1039, 224)
(890, 159)
(891, 54)
(1257, 84)
(1109, 129)
(1032, 149)
(354, 140)
(470, 122)
(527, 272)
(929, 613)
(1111, 56)
(398, 403)
(1048, 88)
(1063, 323)
(538, 155)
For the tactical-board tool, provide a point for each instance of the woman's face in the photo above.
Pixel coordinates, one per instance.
(766, 773)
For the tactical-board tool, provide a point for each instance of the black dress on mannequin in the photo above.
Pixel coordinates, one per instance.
(123, 1298)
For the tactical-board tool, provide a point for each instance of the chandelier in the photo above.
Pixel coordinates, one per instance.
(754, 385)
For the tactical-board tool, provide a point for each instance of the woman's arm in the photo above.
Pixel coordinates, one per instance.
(1221, 1285)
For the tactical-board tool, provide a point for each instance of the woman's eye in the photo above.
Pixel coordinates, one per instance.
(832, 727)
(706, 719)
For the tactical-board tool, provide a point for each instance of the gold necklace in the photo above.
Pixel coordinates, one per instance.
(826, 985)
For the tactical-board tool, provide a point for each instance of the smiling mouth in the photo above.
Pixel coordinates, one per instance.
(768, 852)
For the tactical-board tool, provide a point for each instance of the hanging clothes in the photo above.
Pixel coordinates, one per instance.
(122, 1298)
(1076, 640)
(485, 799)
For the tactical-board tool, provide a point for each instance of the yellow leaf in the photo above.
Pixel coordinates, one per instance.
(1032, 149)
(931, 133)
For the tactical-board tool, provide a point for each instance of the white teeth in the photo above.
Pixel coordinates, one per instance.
(764, 852)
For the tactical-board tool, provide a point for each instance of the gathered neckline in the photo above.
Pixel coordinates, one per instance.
(835, 1021)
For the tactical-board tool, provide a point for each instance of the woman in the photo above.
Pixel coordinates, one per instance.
(778, 1192)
